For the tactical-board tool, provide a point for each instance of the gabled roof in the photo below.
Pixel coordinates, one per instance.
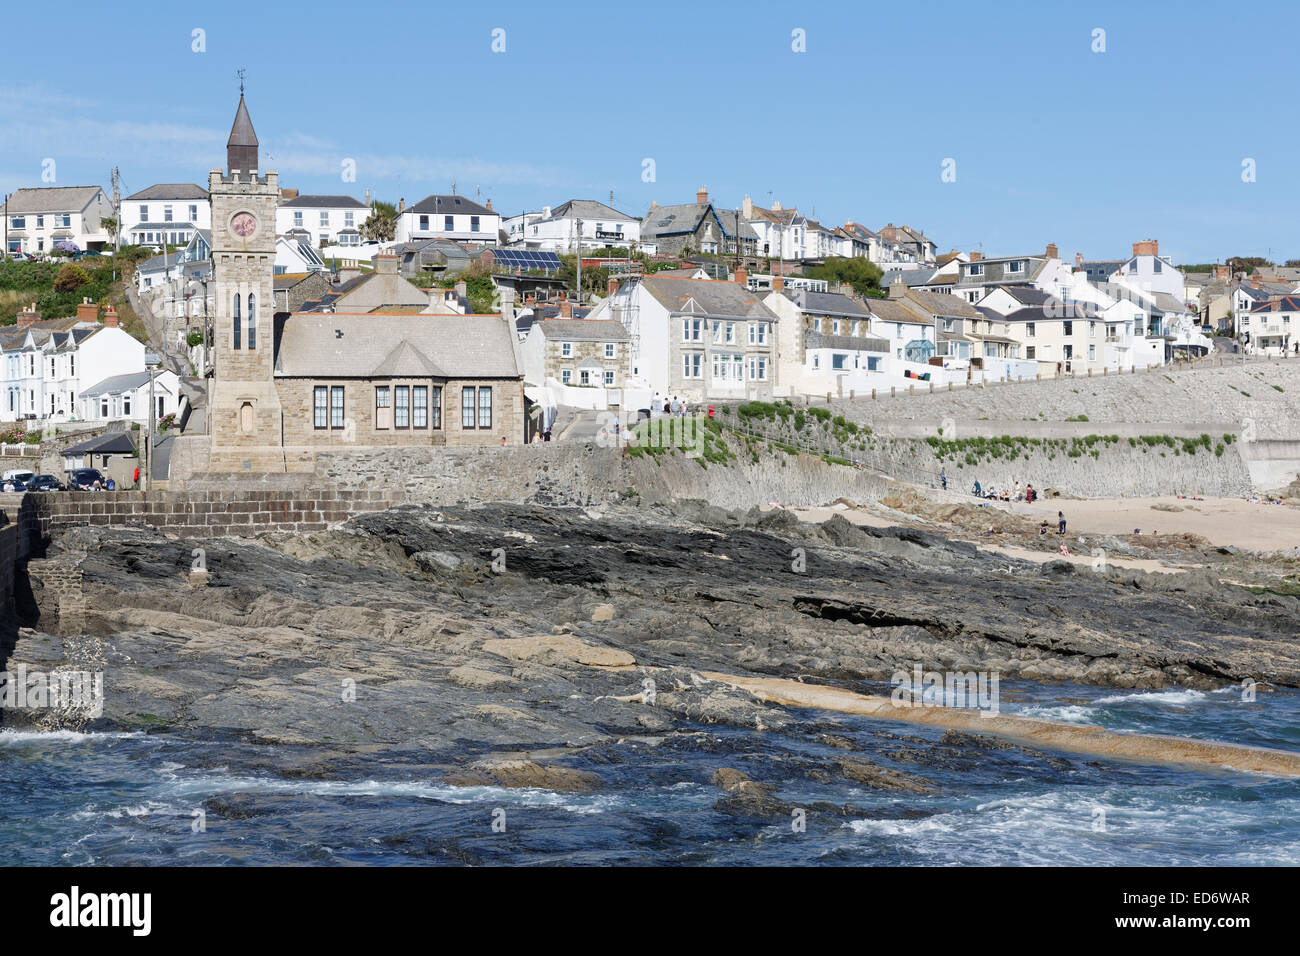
(51, 199)
(889, 310)
(439, 204)
(686, 218)
(586, 209)
(168, 191)
(827, 303)
(115, 384)
(406, 361)
(583, 330)
(341, 345)
(325, 202)
(941, 303)
(707, 297)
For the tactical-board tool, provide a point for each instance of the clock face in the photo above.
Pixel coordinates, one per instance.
(243, 225)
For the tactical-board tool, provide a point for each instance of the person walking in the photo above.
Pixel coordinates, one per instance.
(943, 479)
(1060, 522)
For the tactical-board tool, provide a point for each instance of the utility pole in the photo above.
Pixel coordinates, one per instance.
(116, 176)
(578, 244)
(151, 361)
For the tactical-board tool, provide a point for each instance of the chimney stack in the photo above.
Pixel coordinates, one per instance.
(401, 204)
(976, 256)
(1147, 247)
(701, 195)
(1078, 260)
(897, 289)
(742, 277)
(1254, 282)
(566, 309)
(612, 287)
(489, 205)
(778, 283)
(747, 209)
(1221, 272)
(110, 318)
(28, 317)
(88, 312)
(384, 265)
(1052, 251)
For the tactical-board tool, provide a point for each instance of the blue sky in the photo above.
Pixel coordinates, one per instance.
(1052, 142)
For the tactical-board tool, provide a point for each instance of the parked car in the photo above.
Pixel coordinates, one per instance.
(45, 483)
(84, 479)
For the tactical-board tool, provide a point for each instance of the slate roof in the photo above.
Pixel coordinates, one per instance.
(316, 345)
(129, 382)
(113, 443)
(169, 191)
(326, 202)
(827, 303)
(941, 303)
(889, 310)
(1026, 295)
(441, 205)
(685, 218)
(713, 296)
(584, 330)
(586, 209)
(51, 199)
(241, 131)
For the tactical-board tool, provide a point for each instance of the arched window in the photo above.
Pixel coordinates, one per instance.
(252, 321)
(236, 321)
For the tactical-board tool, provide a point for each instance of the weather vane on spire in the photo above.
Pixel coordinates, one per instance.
(240, 74)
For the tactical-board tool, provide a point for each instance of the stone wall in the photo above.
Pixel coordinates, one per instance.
(210, 512)
(586, 474)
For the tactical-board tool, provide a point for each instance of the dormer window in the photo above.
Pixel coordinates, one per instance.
(1017, 266)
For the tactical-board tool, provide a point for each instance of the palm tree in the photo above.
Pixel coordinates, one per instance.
(110, 225)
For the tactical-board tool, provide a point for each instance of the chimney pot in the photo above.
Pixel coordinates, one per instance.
(489, 205)
(1052, 251)
(742, 277)
(701, 195)
(110, 318)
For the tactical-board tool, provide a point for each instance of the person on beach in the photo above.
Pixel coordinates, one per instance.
(1029, 494)
(1065, 552)
(1060, 522)
(943, 479)
(978, 490)
(1042, 528)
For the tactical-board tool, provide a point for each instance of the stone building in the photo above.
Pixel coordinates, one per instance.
(286, 385)
(577, 352)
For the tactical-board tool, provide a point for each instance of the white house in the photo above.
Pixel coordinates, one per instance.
(322, 220)
(126, 397)
(448, 217)
(699, 339)
(35, 221)
(46, 365)
(165, 214)
(824, 343)
(558, 230)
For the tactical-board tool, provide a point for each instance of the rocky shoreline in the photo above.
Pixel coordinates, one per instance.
(521, 646)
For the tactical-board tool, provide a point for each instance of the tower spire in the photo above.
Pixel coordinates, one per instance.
(241, 147)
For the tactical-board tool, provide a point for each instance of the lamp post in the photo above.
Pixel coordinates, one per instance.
(151, 362)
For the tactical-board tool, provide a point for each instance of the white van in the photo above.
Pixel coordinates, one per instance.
(19, 478)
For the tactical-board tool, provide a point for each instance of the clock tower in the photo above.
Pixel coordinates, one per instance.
(244, 416)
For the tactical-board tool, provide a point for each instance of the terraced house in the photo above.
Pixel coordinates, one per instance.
(700, 339)
(825, 342)
(577, 352)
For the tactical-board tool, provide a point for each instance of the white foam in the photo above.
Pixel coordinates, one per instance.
(18, 738)
(1070, 713)
(1175, 698)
